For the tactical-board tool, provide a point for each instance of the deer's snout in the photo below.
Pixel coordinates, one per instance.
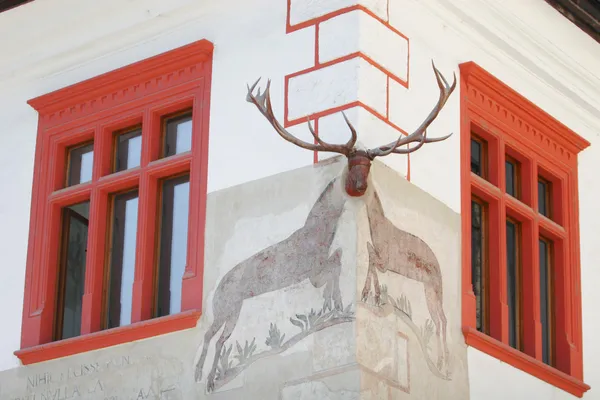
(356, 183)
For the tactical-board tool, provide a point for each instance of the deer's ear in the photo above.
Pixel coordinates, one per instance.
(372, 252)
(336, 257)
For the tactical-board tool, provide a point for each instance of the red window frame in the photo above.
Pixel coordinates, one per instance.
(140, 93)
(513, 126)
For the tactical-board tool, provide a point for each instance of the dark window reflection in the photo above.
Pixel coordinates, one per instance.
(511, 178)
(173, 244)
(72, 270)
(545, 300)
(512, 283)
(476, 157)
(129, 150)
(477, 261)
(544, 198)
(81, 160)
(178, 135)
(122, 261)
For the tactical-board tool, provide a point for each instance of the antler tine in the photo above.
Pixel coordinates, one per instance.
(420, 144)
(352, 141)
(314, 134)
(251, 89)
(263, 103)
(420, 135)
(349, 144)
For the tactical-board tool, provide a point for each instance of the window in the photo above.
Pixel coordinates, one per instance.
(173, 242)
(544, 197)
(119, 199)
(121, 267)
(479, 274)
(80, 160)
(128, 149)
(521, 296)
(513, 284)
(72, 270)
(512, 180)
(478, 156)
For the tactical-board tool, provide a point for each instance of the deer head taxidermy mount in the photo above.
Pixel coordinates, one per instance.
(359, 160)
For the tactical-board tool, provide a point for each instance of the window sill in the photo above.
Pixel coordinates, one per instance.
(524, 362)
(109, 337)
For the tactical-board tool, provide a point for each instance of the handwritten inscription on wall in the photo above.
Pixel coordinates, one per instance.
(48, 378)
(99, 380)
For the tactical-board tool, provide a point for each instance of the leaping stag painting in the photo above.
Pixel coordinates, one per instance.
(399, 252)
(305, 254)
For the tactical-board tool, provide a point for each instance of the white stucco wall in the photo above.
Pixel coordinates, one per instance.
(49, 44)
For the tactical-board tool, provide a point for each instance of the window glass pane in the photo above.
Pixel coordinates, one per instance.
(129, 150)
(544, 198)
(476, 157)
(173, 244)
(81, 160)
(178, 137)
(511, 177)
(72, 271)
(512, 283)
(477, 261)
(545, 300)
(122, 260)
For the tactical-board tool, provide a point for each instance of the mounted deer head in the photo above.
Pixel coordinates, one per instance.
(359, 160)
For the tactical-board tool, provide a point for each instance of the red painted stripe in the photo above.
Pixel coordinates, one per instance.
(387, 99)
(344, 107)
(292, 28)
(347, 57)
(316, 44)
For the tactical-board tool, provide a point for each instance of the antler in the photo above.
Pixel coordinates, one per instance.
(420, 135)
(263, 103)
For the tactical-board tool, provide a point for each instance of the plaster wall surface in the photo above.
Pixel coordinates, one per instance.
(526, 44)
(288, 307)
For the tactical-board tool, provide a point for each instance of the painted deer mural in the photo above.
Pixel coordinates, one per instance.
(391, 249)
(405, 254)
(303, 255)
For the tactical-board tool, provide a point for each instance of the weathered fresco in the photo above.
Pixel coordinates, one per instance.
(305, 254)
(399, 252)
(409, 341)
(309, 293)
(282, 284)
